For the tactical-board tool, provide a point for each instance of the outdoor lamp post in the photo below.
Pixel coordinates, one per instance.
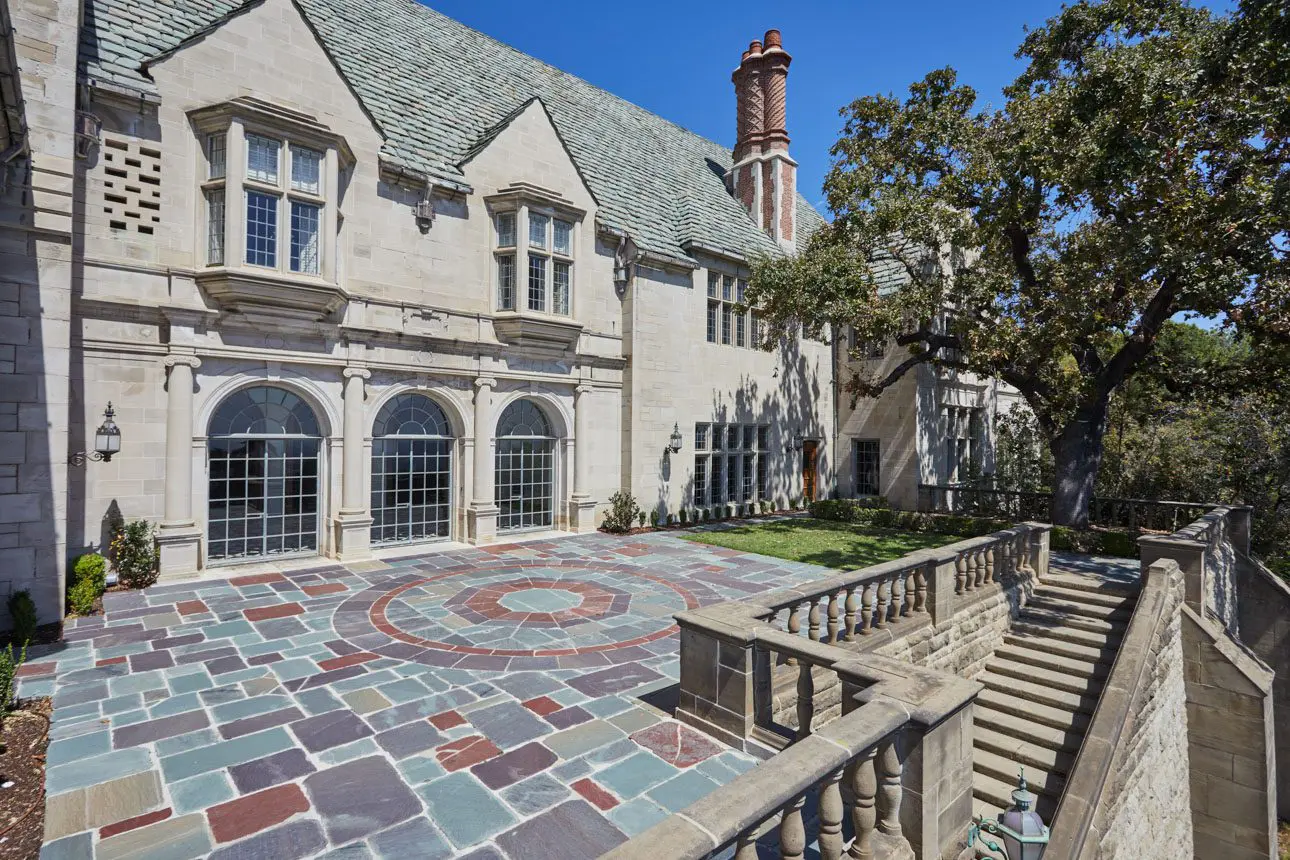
(674, 442)
(1024, 834)
(107, 441)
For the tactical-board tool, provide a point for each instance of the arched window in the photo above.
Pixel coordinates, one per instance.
(411, 471)
(411, 415)
(263, 445)
(525, 468)
(523, 419)
(264, 411)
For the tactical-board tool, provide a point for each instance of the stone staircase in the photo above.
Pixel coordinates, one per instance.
(1043, 684)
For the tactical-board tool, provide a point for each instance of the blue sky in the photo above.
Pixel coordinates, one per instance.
(674, 58)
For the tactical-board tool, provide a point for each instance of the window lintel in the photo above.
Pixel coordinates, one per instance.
(272, 120)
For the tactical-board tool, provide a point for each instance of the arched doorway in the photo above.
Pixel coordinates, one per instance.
(263, 444)
(525, 468)
(411, 471)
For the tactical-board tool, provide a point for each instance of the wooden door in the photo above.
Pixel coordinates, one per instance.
(809, 450)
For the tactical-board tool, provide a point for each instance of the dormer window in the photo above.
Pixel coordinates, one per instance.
(545, 259)
(271, 193)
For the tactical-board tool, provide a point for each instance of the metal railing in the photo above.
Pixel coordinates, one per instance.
(981, 499)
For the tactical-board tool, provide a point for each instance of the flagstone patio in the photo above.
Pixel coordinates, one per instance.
(474, 702)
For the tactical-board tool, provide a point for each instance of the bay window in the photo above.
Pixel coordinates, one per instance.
(546, 259)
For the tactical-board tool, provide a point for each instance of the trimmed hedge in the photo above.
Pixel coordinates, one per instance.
(862, 511)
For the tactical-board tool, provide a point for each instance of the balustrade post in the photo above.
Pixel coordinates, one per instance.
(805, 699)
(831, 813)
(866, 614)
(792, 831)
(833, 618)
(850, 617)
(747, 846)
(813, 620)
(989, 564)
(920, 589)
(907, 605)
(966, 579)
(794, 627)
(981, 574)
(890, 770)
(884, 603)
(863, 780)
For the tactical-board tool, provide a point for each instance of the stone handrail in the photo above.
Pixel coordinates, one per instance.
(1078, 824)
(892, 712)
(1207, 550)
(1135, 514)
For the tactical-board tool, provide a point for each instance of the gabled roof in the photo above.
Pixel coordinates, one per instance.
(439, 90)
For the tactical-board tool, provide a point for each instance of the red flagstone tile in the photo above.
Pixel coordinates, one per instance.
(320, 590)
(256, 812)
(191, 607)
(134, 823)
(543, 705)
(282, 610)
(465, 752)
(598, 796)
(257, 579)
(676, 744)
(347, 660)
(447, 720)
(35, 670)
(110, 661)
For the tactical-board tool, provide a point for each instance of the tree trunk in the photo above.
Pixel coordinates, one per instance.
(1077, 454)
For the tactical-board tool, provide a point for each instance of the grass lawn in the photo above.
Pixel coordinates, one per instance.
(843, 546)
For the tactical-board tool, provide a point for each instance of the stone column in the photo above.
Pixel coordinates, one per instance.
(582, 507)
(178, 537)
(481, 517)
(353, 523)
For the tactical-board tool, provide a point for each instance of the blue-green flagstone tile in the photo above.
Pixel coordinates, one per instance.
(201, 791)
(79, 747)
(286, 670)
(403, 690)
(248, 707)
(348, 752)
(635, 775)
(225, 753)
(101, 768)
(678, 793)
(318, 701)
(187, 741)
(176, 705)
(129, 718)
(467, 812)
(78, 847)
(537, 793)
(637, 816)
(416, 838)
(140, 683)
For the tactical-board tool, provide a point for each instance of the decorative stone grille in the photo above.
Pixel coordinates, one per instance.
(131, 174)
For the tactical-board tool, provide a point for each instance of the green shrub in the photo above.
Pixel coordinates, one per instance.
(88, 582)
(134, 555)
(622, 512)
(22, 611)
(1121, 544)
(640, 518)
(685, 517)
(653, 518)
(8, 671)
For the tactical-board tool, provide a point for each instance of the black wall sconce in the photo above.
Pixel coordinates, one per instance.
(107, 441)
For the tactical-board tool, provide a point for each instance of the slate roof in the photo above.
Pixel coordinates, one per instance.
(438, 89)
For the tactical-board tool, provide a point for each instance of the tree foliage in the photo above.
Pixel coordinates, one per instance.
(1138, 168)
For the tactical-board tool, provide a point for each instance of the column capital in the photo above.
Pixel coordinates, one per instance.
(182, 358)
(583, 388)
(485, 382)
(351, 372)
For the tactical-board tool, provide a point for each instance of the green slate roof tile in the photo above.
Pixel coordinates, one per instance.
(439, 90)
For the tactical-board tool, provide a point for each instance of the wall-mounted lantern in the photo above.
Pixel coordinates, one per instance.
(794, 443)
(107, 441)
(1024, 834)
(675, 441)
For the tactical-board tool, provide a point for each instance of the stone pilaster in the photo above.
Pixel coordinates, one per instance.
(582, 508)
(178, 537)
(481, 516)
(353, 524)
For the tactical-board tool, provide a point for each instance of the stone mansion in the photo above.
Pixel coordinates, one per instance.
(353, 276)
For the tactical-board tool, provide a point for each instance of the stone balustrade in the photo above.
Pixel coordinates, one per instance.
(897, 765)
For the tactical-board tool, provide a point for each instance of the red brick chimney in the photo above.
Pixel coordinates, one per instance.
(764, 177)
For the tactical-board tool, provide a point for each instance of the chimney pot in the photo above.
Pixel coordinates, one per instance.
(774, 39)
(754, 47)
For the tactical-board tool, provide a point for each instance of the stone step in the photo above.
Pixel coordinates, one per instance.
(1067, 682)
(1061, 606)
(1047, 715)
(1092, 584)
(1005, 770)
(1064, 632)
(997, 793)
(1025, 730)
(1041, 641)
(1085, 598)
(1036, 692)
(1034, 755)
(1032, 656)
(1096, 626)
